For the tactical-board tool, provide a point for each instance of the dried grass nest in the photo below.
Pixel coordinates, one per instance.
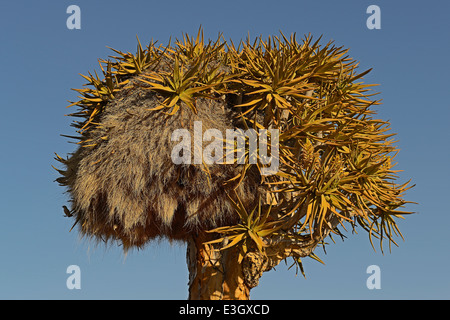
(127, 188)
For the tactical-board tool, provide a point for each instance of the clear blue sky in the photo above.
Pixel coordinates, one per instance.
(40, 61)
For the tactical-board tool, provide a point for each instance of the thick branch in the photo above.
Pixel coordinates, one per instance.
(214, 274)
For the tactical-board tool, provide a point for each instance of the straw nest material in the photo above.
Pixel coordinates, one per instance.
(128, 188)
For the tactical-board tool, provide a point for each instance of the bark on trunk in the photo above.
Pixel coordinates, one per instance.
(222, 275)
(214, 274)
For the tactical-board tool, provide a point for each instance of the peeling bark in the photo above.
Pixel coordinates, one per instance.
(214, 274)
(218, 275)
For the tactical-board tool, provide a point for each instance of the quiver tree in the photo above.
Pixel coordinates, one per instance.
(334, 159)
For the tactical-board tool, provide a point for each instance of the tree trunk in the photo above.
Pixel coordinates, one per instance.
(218, 275)
(214, 274)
